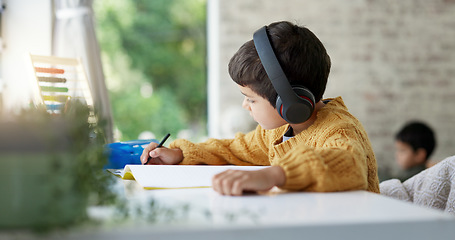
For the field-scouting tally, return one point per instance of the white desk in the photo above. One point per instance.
(204, 214)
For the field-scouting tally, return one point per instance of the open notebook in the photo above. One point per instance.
(175, 176)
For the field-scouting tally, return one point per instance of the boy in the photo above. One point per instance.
(326, 151)
(414, 144)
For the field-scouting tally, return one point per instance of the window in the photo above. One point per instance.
(154, 59)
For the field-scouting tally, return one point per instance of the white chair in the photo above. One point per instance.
(433, 187)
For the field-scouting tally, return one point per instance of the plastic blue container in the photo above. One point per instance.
(121, 153)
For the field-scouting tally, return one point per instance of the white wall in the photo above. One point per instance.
(26, 28)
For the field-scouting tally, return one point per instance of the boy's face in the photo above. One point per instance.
(405, 155)
(261, 110)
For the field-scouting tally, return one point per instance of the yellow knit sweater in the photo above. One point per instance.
(333, 154)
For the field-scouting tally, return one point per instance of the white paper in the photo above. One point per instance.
(180, 176)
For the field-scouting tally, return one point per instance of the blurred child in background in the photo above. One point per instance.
(414, 144)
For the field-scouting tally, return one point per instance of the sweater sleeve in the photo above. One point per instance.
(244, 149)
(340, 164)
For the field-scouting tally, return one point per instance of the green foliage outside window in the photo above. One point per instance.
(154, 59)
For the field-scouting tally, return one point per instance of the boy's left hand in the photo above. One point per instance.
(234, 182)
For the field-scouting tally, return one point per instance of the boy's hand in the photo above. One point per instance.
(234, 182)
(161, 155)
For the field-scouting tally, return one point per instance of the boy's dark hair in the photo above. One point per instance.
(418, 135)
(302, 57)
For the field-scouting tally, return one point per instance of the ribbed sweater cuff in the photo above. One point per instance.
(186, 146)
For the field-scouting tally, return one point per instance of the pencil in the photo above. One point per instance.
(159, 145)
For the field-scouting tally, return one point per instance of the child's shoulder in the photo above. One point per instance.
(334, 107)
(334, 102)
(335, 112)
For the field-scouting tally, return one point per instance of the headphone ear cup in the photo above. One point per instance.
(305, 94)
(300, 110)
(306, 99)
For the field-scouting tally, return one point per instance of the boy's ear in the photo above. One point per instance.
(420, 156)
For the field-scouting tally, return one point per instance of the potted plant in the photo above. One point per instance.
(50, 166)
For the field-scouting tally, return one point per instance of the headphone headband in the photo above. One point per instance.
(272, 65)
